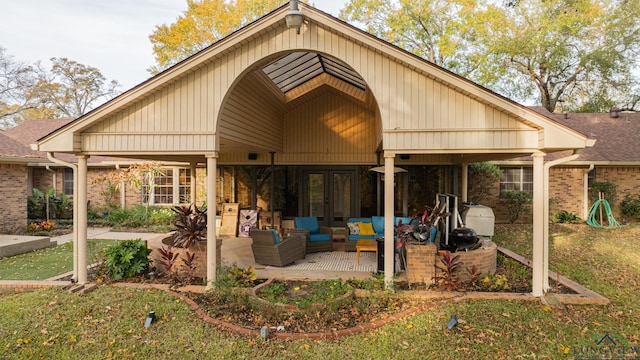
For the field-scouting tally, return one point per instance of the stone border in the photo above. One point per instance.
(311, 336)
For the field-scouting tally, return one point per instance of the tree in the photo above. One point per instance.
(545, 49)
(202, 24)
(71, 89)
(440, 31)
(16, 80)
(485, 176)
(556, 49)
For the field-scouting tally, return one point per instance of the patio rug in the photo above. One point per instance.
(334, 261)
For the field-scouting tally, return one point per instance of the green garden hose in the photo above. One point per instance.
(591, 220)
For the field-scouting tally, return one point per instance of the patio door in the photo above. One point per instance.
(329, 195)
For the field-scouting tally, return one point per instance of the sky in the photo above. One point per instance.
(111, 35)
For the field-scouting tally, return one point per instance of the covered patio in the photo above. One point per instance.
(325, 94)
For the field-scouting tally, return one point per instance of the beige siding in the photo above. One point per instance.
(216, 97)
(329, 129)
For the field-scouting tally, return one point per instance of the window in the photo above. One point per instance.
(171, 188)
(67, 181)
(517, 179)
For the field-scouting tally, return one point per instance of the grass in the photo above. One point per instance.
(108, 323)
(49, 262)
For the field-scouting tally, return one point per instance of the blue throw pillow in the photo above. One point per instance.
(276, 236)
(378, 224)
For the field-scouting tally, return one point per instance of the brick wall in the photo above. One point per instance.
(13, 192)
(566, 191)
(626, 178)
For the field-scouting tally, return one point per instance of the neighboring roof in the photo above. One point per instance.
(10, 148)
(616, 135)
(17, 141)
(29, 131)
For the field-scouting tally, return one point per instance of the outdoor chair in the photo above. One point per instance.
(269, 249)
(318, 238)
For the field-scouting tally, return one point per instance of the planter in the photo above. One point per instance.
(199, 248)
(484, 258)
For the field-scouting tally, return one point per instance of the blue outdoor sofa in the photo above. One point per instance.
(377, 223)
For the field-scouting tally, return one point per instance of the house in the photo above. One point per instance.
(313, 105)
(614, 158)
(14, 176)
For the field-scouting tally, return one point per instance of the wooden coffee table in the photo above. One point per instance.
(366, 245)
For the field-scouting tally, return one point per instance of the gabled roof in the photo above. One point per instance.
(545, 133)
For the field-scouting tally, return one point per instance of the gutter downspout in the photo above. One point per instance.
(123, 192)
(74, 167)
(547, 166)
(54, 179)
(585, 186)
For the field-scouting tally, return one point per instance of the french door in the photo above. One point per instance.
(330, 195)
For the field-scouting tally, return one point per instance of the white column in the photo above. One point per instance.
(212, 251)
(538, 225)
(194, 183)
(389, 248)
(465, 182)
(81, 204)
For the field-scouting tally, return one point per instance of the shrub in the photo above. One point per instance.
(565, 217)
(609, 190)
(234, 276)
(629, 206)
(516, 201)
(127, 258)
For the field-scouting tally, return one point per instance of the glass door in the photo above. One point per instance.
(329, 195)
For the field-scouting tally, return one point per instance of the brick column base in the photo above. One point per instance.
(421, 260)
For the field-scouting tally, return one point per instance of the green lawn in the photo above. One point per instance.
(108, 323)
(49, 262)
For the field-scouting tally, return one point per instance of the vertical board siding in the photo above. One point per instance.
(329, 124)
(408, 109)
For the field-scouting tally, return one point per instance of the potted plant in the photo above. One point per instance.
(188, 240)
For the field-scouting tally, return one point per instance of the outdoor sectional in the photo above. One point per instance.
(377, 224)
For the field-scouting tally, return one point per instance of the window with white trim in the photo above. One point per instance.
(517, 179)
(173, 187)
(67, 181)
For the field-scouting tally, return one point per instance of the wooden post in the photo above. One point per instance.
(601, 198)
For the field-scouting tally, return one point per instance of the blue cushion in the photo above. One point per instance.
(319, 237)
(362, 237)
(378, 224)
(309, 223)
(276, 236)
